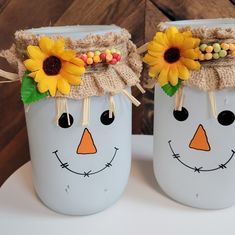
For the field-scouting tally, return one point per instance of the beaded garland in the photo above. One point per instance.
(173, 56)
(215, 51)
(106, 56)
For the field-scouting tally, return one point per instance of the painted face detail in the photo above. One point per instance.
(200, 140)
(65, 165)
(86, 145)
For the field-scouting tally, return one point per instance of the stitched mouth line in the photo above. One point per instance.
(65, 165)
(199, 169)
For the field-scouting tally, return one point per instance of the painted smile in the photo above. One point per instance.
(65, 165)
(201, 168)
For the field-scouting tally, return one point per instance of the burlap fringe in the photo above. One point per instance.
(95, 82)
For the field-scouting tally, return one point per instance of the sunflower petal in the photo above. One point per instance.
(170, 33)
(40, 75)
(42, 86)
(183, 72)
(156, 54)
(196, 42)
(46, 44)
(163, 76)
(32, 65)
(35, 53)
(190, 53)
(173, 75)
(190, 64)
(33, 74)
(155, 47)
(63, 86)
(187, 34)
(188, 43)
(52, 85)
(73, 80)
(77, 61)
(58, 47)
(179, 40)
(67, 55)
(151, 60)
(73, 69)
(160, 38)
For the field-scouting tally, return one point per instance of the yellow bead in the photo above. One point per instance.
(209, 49)
(201, 57)
(225, 46)
(89, 60)
(96, 59)
(231, 46)
(107, 52)
(208, 56)
(90, 54)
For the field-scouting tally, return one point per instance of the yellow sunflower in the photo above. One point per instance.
(53, 67)
(171, 55)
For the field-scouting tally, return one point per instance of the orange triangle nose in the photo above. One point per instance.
(86, 145)
(200, 140)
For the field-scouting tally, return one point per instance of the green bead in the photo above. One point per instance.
(216, 56)
(216, 47)
(113, 50)
(203, 47)
(97, 53)
(222, 53)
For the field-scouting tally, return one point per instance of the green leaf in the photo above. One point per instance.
(29, 91)
(171, 90)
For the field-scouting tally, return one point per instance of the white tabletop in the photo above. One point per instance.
(143, 209)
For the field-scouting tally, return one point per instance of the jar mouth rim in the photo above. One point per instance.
(75, 31)
(209, 23)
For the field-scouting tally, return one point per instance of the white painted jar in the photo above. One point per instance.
(194, 160)
(81, 159)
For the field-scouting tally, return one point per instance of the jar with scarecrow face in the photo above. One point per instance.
(76, 89)
(194, 128)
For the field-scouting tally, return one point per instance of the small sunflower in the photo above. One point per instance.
(171, 55)
(52, 67)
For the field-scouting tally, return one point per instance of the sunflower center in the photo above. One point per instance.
(172, 55)
(52, 65)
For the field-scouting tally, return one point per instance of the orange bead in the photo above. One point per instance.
(225, 46)
(96, 59)
(231, 46)
(208, 56)
(201, 57)
(89, 60)
(209, 49)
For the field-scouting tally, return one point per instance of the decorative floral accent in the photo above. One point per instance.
(171, 55)
(215, 51)
(107, 56)
(52, 67)
(29, 91)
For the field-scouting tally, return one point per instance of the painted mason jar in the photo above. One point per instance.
(76, 88)
(194, 130)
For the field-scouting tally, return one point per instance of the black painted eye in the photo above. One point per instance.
(104, 118)
(226, 117)
(181, 115)
(63, 120)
